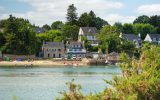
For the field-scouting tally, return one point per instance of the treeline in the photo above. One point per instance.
(17, 35)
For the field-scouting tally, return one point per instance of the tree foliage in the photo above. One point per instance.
(140, 80)
(72, 15)
(19, 37)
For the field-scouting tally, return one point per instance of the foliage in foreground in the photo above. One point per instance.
(140, 80)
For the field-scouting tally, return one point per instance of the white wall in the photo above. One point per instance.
(148, 38)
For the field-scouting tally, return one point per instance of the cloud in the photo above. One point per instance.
(112, 18)
(153, 9)
(47, 11)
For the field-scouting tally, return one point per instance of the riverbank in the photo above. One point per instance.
(42, 63)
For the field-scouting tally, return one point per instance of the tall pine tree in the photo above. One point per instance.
(72, 15)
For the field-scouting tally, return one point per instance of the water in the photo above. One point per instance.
(46, 83)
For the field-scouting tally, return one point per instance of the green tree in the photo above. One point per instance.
(127, 29)
(72, 15)
(52, 36)
(46, 27)
(57, 25)
(144, 29)
(119, 26)
(142, 19)
(84, 20)
(109, 39)
(19, 36)
(70, 32)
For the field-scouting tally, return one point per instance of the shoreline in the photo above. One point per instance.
(49, 63)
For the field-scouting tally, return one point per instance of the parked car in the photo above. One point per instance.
(74, 57)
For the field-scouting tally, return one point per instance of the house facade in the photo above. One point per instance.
(90, 33)
(53, 49)
(133, 38)
(153, 38)
(75, 49)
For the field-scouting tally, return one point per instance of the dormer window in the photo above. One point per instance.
(89, 30)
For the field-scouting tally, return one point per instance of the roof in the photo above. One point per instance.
(131, 37)
(89, 30)
(154, 36)
(53, 44)
(75, 44)
(39, 30)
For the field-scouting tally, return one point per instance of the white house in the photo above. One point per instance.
(90, 33)
(133, 38)
(153, 38)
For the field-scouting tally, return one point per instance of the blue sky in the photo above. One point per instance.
(42, 12)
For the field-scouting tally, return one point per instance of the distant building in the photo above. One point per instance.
(75, 49)
(153, 38)
(39, 30)
(90, 33)
(133, 38)
(53, 49)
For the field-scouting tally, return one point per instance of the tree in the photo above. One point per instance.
(72, 15)
(139, 80)
(109, 39)
(52, 36)
(93, 19)
(84, 20)
(127, 29)
(46, 27)
(19, 36)
(142, 19)
(70, 32)
(155, 21)
(90, 20)
(57, 25)
(119, 26)
(100, 23)
(144, 29)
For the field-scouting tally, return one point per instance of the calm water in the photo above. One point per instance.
(46, 83)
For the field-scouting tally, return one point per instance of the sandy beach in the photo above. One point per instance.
(43, 63)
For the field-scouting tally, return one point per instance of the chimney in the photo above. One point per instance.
(139, 35)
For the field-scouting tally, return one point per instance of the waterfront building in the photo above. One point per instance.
(53, 49)
(75, 49)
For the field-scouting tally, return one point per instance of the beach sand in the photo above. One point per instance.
(46, 63)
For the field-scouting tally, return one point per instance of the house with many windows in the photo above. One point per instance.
(53, 49)
(75, 49)
(153, 38)
(90, 33)
(132, 38)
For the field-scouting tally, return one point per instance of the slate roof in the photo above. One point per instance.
(131, 37)
(53, 44)
(39, 30)
(75, 44)
(154, 36)
(89, 30)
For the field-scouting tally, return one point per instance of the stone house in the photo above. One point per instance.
(53, 49)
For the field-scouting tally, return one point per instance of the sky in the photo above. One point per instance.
(40, 12)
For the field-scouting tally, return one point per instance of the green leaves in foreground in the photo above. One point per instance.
(140, 80)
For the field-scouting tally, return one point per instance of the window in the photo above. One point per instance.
(59, 49)
(54, 55)
(48, 55)
(59, 55)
